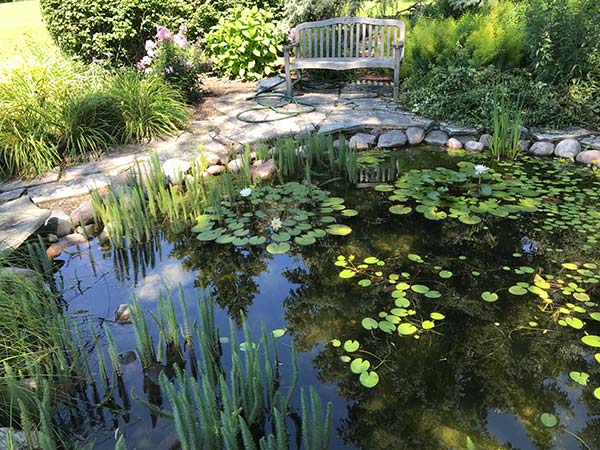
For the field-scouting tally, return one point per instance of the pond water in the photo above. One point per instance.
(488, 370)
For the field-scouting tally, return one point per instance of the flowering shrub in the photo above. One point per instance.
(175, 59)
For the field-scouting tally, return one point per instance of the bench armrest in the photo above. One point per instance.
(398, 46)
(287, 48)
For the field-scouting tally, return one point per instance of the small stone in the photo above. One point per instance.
(454, 144)
(568, 148)
(84, 213)
(52, 238)
(392, 139)
(524, 145)
(486, 140)
(361, 141)
(589, 157)
(336, 144)
(235, 165)
(123, 314)
(436, 137)
(264, 170)
(268, 84)
(59, 223)
(211, 158)
(87, 230)
(474, 146)
(215, 170)
(542, 148)
(175, 168)
(127, 357)
(415, 135)
(63, 243)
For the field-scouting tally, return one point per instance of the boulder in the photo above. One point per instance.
(415, 135)
(123, 314)
(454, 144)
(268, 84)
(19, 219)
(235, 165)
(211, 158)
(542, 148)
(83, 214)
(474, 146)
(361, 141)
(263, 170)
(175, 168)
(59, 224)
(215, 169)
(70, 240)
(589, 157)
(486, 140)
(567, 148)
(524, 145)
(436, 137)
(392, 139)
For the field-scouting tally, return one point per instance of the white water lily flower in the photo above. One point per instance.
(480, 169)
(275, 223)
(245, 192)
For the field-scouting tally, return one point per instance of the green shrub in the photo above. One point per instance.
(495, 35)
(466, 95)
(149, 107)
(244, 43)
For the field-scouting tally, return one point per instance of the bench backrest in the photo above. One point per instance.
(349, 37)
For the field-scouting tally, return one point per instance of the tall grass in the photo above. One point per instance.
(507, 122)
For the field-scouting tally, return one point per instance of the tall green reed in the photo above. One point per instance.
(507, 122)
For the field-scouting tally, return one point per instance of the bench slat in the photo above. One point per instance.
(341, 63)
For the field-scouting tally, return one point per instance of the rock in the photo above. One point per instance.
(542, 148)
(415, 135)
(175, 168)
(361, 141)
(103, 237)
(268, 84)
(70, 240)
(59, 223)
(336, 144)
(83, 214)
(524, 133)
(392, 139)
(436, 137)
(19, 219)
(127, 357)
(457, 130)
(87, 230)
(18, 439)
(591, 143)
(486, 140)
(123, 314)
(568, 148)
(589, 157)
(264, 170)
(52, 238)
(235, 165)
(573, 133)
(474, 146)
(524, 145)
(454, 144)
(11, 195)
(211, 158)
(215, 169)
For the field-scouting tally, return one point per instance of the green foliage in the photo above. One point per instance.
(244, 43)
(298, 11)
(507, 132)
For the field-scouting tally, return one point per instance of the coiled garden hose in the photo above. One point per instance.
(278, 107)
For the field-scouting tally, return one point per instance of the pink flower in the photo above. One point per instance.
(150, 46)
(180, 40)
(148, 70)
(162, 33)
(144, 62)
(189, 64)
(169, 69)
(293, 35)
(182, 28)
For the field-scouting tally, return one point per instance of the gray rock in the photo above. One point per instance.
(263, 170)
(392, 139)
(542, 148)
(456, 130)
(123, 314)
(589, 157)
(83, 214)
(474, 146)
(211, 158)
(11, 195)
(415, 135)
(524, 145)
(352, 119)
(591, 143)
(19, 219)
(554, 136)
(175, 168)
(437, 137)
(361, 141)
(454, 144)
(59, 224)
(486, 140)
(268, 84)
(52, 238)
(19, 440)
(235, 165)
(568, 148)
(215, 169)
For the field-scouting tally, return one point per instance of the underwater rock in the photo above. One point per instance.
(361, 141)
(436, 137)
(569, 148)
(127, 357)
(589, 157)
(542, 148)
(474, 146)
(454, 144)
(415, 135)
(392, 139)
(528, 245)
(70, 240)
(83, 214)
(123, 314)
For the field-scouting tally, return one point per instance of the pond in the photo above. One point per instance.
(424, 327)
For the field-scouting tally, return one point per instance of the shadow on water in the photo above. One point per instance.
(484, 373)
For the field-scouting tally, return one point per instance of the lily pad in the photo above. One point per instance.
(369, 324)
(406, 329)
(489, 296)
(359, 365)
(339, 230)
(369, 379)
(400, 209)
(592, 340)
(579, 377)
(351, 346)
(278, 248)
(549, 420)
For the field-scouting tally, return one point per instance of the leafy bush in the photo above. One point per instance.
(244, 43)
(466, 95)
(563, 39)
(492, 36)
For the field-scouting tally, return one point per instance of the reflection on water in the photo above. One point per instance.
(482, 374)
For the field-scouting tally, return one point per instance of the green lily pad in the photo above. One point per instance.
(445, 274)
(400, 209)
(369, 379)
(369, 324)
(281, 237)
(257, 240)
(419, 288)
(359, 365)
(406, 329)
(278, 248)
(517, 290)
(579, 377)
(339, 230)
(469, 220)
(591, 340)
(489, 296)
(304, 240)
(549, 420)
(574, 322)
(427, 324)
(437, 316)
(349, 212)
(351, 346)
(365, 282)
(347, 273)
(278, 332)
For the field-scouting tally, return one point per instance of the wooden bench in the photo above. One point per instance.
(346, 43)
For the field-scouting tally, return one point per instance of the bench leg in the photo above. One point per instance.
(288, 75)
(396, 73)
